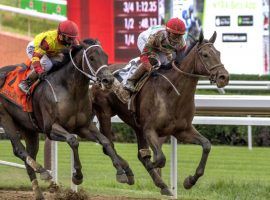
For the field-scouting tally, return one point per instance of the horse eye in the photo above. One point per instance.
(205, 55)
(91, 58)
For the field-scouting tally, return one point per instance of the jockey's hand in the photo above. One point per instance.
(153, 61)
(147, 66)
(42, 76)
(37, 67)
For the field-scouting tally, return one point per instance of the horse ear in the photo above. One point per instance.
(98, 42)
(213, 38)
(201, 37)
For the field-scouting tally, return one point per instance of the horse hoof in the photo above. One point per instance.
(45, 175)
(39, 195)
(122, 178)
(130, 176)
(131, 180)
(77, 180)
(40, 198)
(53, 187)
(188, 183)
(166, 191)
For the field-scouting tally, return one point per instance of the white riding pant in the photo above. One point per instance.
(45, 61)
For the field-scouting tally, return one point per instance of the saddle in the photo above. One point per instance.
(122, 75)
(10, 77)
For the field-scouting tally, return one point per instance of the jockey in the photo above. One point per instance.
(158, 45)
(46, 49)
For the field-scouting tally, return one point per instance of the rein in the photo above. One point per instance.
(93, 75)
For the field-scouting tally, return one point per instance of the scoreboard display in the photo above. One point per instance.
(130, 19)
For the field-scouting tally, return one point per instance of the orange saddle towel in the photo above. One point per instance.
(11, 90)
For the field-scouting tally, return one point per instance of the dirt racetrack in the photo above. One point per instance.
(28, 195)
(12, 49)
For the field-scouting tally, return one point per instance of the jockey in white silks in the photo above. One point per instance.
(158, 45)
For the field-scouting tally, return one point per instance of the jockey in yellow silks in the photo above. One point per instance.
(46, 47)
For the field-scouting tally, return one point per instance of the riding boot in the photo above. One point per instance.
(131, 81)
(25, 85)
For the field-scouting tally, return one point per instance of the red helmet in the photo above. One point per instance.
(176, 25)
(68, 28)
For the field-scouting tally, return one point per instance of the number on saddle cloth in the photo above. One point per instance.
(123, 74)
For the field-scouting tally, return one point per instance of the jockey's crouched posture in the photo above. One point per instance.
(46, 48)
(158, 45)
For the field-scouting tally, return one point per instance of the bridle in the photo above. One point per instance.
(207, 68)
(93, 75)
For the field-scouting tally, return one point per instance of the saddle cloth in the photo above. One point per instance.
(12, 92)
(124, 73)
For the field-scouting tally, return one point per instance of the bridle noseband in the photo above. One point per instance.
(93, 75)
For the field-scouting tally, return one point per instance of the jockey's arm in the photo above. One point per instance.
(149, 54)
(39, 51)
(182, 45)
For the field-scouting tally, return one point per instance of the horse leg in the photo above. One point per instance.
(18, 148)
(93, 134)
(153, 140)
(32, 146)
(192, 136)
(58, 133)
(144, 155)
(161, 141)
(106, 129)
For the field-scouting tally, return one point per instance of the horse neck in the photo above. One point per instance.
(184, 83)
(75, 81)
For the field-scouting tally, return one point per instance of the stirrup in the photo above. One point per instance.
(22, 88)
(130, 89)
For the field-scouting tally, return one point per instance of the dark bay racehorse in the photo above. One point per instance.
(165, 108)
(61, 109)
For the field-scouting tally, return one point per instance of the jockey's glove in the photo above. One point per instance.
(42, 76)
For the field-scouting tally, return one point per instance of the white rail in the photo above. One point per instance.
(2, 162)
(235, 85)
(239, 82)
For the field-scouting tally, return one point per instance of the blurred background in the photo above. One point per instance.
(242, 25)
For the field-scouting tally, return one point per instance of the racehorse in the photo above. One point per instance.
(165, 106)
(61, 109)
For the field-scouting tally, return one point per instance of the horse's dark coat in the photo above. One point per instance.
(60, 118)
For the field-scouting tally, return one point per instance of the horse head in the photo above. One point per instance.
(202, 59)
(208, 63)
(94, 62)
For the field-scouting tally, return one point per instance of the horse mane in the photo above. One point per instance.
(190, 47)
(91, 41)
